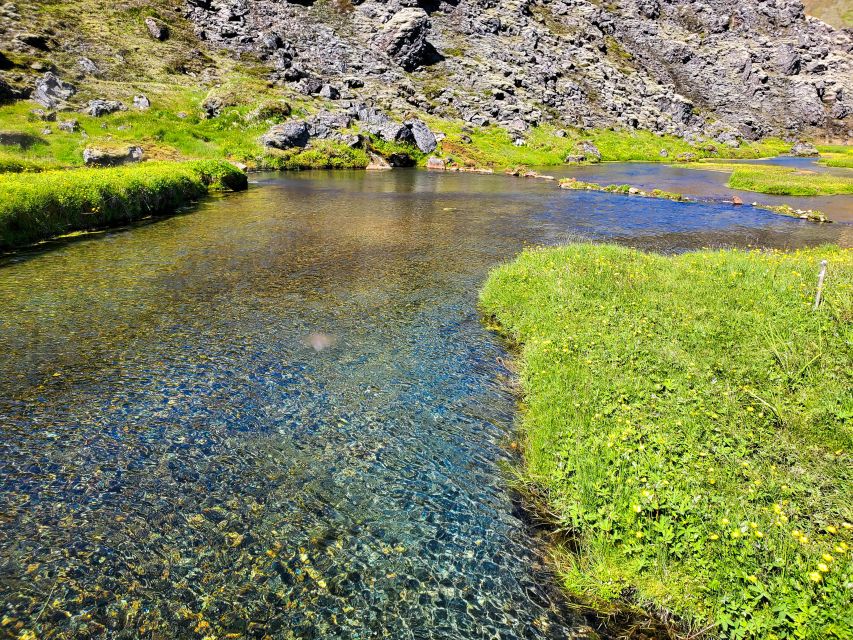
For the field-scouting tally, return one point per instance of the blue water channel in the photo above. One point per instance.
(279, 415)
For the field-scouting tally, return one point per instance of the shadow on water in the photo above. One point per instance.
(282, 416)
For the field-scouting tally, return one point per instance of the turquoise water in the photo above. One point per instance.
(281, 416)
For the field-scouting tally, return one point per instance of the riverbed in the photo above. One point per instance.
(280, 413)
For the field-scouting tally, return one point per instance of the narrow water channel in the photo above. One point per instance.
(280, 416)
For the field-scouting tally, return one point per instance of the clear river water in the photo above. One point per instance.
(280, 415)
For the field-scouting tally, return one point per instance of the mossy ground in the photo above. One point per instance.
(688, 421)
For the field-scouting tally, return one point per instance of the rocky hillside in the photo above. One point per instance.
(720, 70)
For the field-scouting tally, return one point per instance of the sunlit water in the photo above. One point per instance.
(280, 415)
(704, 184)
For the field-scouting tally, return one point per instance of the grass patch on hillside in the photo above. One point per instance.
(689, 423)
(778, 180)
(37, 206)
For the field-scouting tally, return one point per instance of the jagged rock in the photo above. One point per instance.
(310, 86)
(287, 136)
(142, 103)
(156, 29)
(404, 38)
(804, 150)
(98, 108)
(694, 70)
(329, 92)
(94, 157)
(424, 138)
(51, 92)
(69, 126)
(325, 124)
(88, 67)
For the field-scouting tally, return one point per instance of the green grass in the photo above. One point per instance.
(846, 163)
(688, 424)
(777, 180)
(41, 205)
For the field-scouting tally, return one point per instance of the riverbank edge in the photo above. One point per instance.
(39, 206)
(630, 606)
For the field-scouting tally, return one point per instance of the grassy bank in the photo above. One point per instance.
(778, 180)
(689, 422)
(35, 206)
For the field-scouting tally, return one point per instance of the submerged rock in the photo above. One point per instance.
(404, 38)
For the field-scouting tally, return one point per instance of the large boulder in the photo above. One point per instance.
(404, 38)
(424, 138)
(804, 150)
(98, 108)
(51, 92)
(94, 157)
(287, 136)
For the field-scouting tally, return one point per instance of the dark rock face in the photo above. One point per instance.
(424, 138)
(404, 38)
(51, 92)
(287, 136)
(717, 70)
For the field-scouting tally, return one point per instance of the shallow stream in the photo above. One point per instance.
(280, 414)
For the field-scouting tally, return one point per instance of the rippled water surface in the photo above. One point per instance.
(280, 415)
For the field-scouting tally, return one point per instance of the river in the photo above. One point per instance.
(280, 415)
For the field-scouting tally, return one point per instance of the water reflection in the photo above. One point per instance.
(280, 415)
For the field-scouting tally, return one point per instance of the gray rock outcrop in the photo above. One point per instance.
(404, 38)
(51, 92)
(98, 108)
(287, 136)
